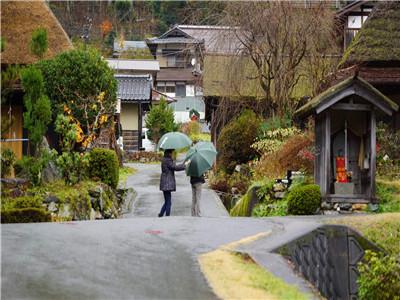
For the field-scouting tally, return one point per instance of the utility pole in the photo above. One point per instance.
(86, 30)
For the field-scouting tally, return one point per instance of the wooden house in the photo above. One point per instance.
(352, 17)
(180, 57)
(18, 20)
(134, 93)
(345, 139)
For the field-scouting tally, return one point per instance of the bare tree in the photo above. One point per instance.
(282, 51)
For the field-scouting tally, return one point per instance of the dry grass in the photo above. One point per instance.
(382, 229)
(236, 276)
(18, 19)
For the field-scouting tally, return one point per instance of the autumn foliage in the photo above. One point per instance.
(106, 27)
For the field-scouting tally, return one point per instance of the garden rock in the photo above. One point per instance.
(279, 187)
(373, 207)
(14, 182)
(98, 215)
(50, 172)
(64, 213)
(52, 198)
(330, 212)
(359, 206)
(94, 193)
(92, 216)
(326, 206)
(345, 206)
(52, 207)
(238, 168)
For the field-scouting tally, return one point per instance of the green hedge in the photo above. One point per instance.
(304, 200)
(103, 165)
(25, 215)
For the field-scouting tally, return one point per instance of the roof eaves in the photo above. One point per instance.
(312, 106)
(350, 7)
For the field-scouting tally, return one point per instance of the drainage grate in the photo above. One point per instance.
(327, 258)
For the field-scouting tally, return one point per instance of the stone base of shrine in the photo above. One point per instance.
(335, 198)
(344, 188)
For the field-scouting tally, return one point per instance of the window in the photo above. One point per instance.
(174, 89)
(180, 89)
(170, 89)
(161, 87)
(175, 61)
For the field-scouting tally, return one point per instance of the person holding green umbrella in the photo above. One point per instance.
(201, 157)
(167, 180)
(170, 141)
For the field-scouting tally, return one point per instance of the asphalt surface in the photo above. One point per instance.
(139, 256)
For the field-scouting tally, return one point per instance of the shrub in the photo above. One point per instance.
(191, 128)
(103, 164)
(206, 137)
(25, 215)
(81, 85)
(387, 153)
(236, 138)
(21, 167)
(277, 209)
(304, 200)
(219, 180)
(289, 156)
(379, 277)
(22, 202)
(272, 140)
(7, 160)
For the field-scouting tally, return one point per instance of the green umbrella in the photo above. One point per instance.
(201, 156)
(174, 140)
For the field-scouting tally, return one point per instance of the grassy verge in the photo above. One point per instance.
(381, 229)
(125, 173)
(237, 276)
(389, 193)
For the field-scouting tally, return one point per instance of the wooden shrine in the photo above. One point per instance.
(345, 139)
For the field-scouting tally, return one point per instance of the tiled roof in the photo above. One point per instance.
(173, 40)
(217, 39)
(134, 88)
(174, 36)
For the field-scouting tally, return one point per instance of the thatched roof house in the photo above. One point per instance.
(375, 53)
(378, 42)
(18, 20)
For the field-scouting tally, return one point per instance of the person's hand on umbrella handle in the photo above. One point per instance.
(187, 162)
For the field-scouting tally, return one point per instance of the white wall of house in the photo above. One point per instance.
(129, 116)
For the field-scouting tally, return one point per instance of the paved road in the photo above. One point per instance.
(149, 199)
(137, 257)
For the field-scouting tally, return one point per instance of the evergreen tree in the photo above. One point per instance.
(160, 120)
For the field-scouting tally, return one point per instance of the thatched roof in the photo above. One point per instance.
(378, 42)
(18, 19)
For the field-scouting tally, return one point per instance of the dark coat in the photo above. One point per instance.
(194, 180)
(168, 168)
